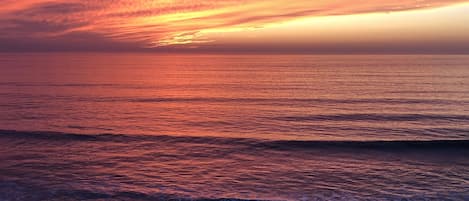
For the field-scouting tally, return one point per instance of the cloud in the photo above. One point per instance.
(156, 23)
(77, 41)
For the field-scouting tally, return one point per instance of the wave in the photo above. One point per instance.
(288, 101)
(39, 84)
(444, 144)
(378, 145)
(30, 192)
(292, 100)
(375, 117)
(21, 191)
(49, 135)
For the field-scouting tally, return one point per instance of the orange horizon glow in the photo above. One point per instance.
(235, 23)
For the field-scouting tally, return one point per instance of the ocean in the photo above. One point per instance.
(143, 126)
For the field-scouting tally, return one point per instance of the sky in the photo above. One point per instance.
(320, 26)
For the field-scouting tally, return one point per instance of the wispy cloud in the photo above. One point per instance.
(153, 23)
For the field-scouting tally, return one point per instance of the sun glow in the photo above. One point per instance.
(163, 23)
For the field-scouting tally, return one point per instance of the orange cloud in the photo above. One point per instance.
(154, 23)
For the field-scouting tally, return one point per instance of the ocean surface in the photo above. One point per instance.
(118, 126)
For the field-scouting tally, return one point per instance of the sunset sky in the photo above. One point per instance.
(340, 26)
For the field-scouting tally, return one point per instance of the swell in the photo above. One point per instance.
(378, 145)
(375, 117)
(243, 100)
(33, 192)
(394, 145)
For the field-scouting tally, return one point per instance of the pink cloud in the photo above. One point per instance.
(167, 22)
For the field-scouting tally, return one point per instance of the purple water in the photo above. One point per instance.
(265, 127)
